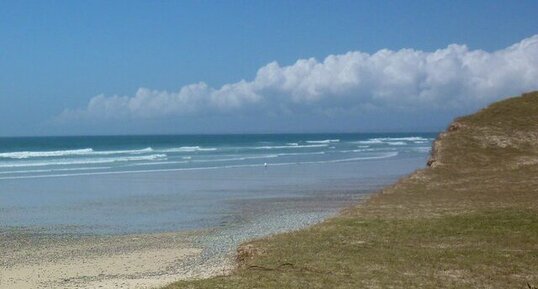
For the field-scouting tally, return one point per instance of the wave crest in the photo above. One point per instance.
(66, 153)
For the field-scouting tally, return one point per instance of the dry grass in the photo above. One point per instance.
(468, 221)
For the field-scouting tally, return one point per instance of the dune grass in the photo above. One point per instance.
(468, 221)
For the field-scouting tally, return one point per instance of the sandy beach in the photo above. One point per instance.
(40, 259)
(33, 260)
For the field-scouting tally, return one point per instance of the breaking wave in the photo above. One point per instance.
(326, 141)
(66, 153)
(81, 161)
(187, 149)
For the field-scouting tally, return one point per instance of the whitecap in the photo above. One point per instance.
(326, 141)
(411, 138)
(370, 141)
(81, 161)
(290, 147)
(66, 153)
(31, 154)
(186, 149)
(396, 143)
(54, 170)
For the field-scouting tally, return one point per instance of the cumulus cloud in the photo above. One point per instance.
(451, 78)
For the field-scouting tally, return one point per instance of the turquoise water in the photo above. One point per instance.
(119, 184)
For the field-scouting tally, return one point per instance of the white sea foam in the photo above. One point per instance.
(30, 154)
(326, 141)
(370, 141)
(351, 151)
(393, 140)
(81, 161)
(190, 160)
(54, 170)
(66, 153)
(396, 143)
(411, 138)
(186, 149)
(290, 146)
(119, 152)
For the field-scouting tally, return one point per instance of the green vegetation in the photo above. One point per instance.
(470, 220)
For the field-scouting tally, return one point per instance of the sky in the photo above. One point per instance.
(174, 67)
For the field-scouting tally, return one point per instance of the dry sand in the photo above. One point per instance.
(33, 260)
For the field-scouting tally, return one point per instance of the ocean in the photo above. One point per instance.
(139, 184)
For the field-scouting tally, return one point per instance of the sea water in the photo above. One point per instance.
(137, 184)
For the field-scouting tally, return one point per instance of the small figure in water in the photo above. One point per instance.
(265, 165)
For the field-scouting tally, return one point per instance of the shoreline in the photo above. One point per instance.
(147, 260)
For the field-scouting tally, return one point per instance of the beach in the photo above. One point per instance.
(31, 260)
(41, 259)
(69, 222)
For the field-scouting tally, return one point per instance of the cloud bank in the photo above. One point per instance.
(454, 78)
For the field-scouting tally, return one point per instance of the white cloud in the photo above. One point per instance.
(451, 78)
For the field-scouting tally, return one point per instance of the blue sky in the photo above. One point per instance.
(142, 67)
